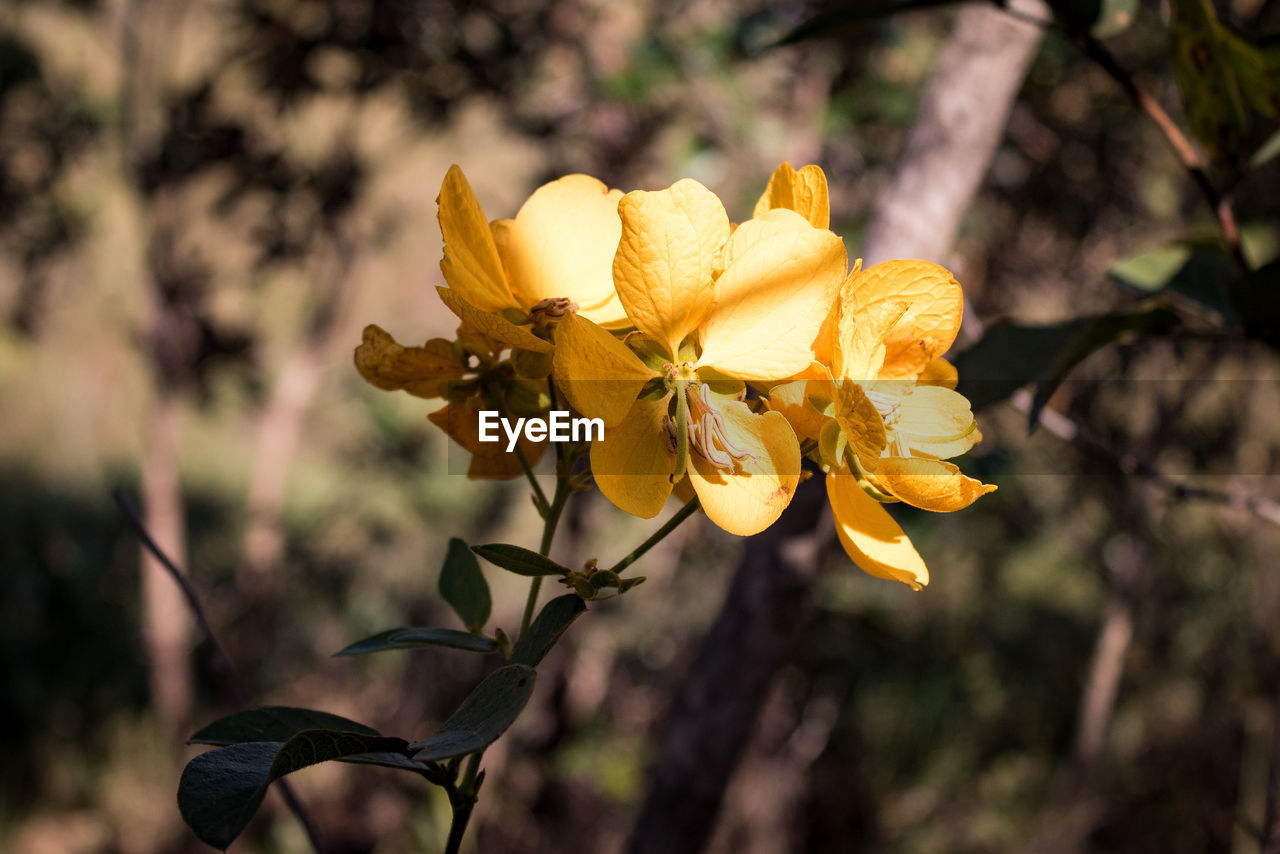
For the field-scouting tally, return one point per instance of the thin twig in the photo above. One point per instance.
(1126, 463)
(217, 653)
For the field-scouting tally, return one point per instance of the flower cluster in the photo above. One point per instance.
(715, 355)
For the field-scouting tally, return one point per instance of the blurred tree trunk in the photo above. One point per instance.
(955, 134)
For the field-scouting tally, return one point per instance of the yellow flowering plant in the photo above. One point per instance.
(712, 357)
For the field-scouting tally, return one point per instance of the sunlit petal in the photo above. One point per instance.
(936, 422)
(633, 464)
(471, 263)
(492, 325)
(935, 305)
(596, 371)
(929, 484)
(869, 535)
(861, 423)
(671, 241)
(803, 191)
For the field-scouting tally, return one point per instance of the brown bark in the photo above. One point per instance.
(954, 136)
(166, 625)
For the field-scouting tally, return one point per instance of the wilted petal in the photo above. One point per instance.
(492, 325)
(755, 494)
(861, 423)
(935, 305)
(671, 241)
(471, 263)
(803, 191)
(597, 372)
(929, 484)
(461, 421)
(562, 243)
(632, 465)
(417, 370)
(781, 277)
(869, 535)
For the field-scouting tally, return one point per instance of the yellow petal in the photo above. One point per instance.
(929, 484)
(632, 464)
(671, 241)
(804, 192)
(935, 305)
(781, 277)
(936, 422)
(492, 325)
(596, 371)
(791, 400)
(501, 231)
(561, 244)
(418, 370)
(860, 334)
(861, 423)
(755, 494)
(471, 263)
(870, 536)
(939, 372)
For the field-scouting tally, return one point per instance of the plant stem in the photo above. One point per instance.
(458, 827)
(548, 533)
(658, 536)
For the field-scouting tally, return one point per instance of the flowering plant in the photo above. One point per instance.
(704, 360)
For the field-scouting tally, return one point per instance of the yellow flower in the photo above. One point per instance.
(712, 307)
(896, 417)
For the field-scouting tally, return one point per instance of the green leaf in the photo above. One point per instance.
(462, 585)
(483, 716)
(1223, 78)
(273, 723)
(1256, 299)
(837, 18)
(1011, 355)
(1196, 269)
(417, 638)
(221, 790)
(551, 622)
(518, 560)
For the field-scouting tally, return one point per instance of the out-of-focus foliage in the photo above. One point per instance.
(280, 193)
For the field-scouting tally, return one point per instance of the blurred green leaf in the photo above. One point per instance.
(1011, 355)
(1114, 18)
(221, 790)
(1221, 76)
(273, 723)
(462, 585)
(483, 716)
(518, 560)
(416, 638)
(1255, 297)
(1196, 269)
(836, 18)
(552, 621)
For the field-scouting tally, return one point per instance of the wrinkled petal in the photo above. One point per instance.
(869, 535)
(632, 465)
(936, 422)
(755, 494)
(803, 191)
(421, 371)
(670, 245)
(860, 337)
(471, 263)
(492, 325)
(929, 484)
(597, 372)
(935, 306)
(781, 277)
(461, 421)
(861, 423)
(562, 243)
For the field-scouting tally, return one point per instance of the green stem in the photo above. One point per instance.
(658, 536)
(682, 432)
(533, 481)
(548, 534)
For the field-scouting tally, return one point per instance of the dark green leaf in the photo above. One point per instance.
(840, 17)
(419, 637)
(483, 716)
(1196, 269)
(1011, 355)
(518, 560)
(1256, 299)
(221, 790)
(273, 723)
(551, 622)
(462, 585)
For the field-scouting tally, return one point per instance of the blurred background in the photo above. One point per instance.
(202, 203)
